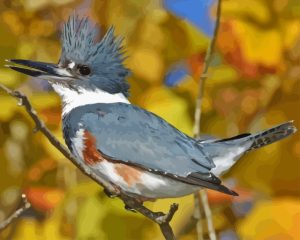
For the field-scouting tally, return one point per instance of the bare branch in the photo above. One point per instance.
(197, 122)
(16, 214)
(40, 126)
(164, 222)
(160, 218)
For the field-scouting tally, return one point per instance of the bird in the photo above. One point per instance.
(135, 150)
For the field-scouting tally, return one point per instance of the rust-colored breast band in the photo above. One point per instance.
(90, 153)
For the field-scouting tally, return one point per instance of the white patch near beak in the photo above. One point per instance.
(71, 65)
(63, 72)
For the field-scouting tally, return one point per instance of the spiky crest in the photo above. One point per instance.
(105, 57)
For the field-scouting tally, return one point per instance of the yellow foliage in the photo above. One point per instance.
(29, 229)
(14, 21)
(34, 5)
(254, 8)
(52, 151)
(41, 28)
(44, 100)
(8, 108)
(8, 78)
(25, 50)
(274, 219)
(146, 64)
(89, 220)
(290, 33)
(223, 74)
(169, 106)
(151, 29)
(258, 45)
(197, 41)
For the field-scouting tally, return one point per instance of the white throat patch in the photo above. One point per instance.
(72, 98)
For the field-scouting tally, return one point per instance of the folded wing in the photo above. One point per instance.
(131, 135)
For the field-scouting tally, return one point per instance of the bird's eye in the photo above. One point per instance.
(84, 70)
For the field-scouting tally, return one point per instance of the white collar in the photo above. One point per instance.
(72, 98)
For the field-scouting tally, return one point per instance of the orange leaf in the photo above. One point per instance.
(44, 198)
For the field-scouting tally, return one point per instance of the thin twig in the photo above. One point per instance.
(204, 74)
(16, 214)
(164, 222)
(208, 215)
(198, 216)
(203, 77)
(160, 218)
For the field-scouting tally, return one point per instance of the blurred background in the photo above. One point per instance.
(253, 83)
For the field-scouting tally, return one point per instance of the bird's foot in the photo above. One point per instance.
(110, 194)
(128, 208)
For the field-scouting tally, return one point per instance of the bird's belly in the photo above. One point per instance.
(130, 179)
(139, 182)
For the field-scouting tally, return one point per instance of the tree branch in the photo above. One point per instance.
(160, 218)
(16, 214)
(40, 126)
(197, 117)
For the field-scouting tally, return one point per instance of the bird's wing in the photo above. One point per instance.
(131, 135)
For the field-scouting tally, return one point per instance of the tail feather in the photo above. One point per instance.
(225, 152)
(272, 135)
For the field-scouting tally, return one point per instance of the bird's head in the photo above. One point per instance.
(85, 63)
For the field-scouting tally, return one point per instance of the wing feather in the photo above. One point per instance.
(128, 134)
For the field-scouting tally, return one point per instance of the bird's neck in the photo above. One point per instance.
(72, 98)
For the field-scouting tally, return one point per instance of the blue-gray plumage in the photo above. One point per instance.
(105, 58)
(125, 132)
(129, 134)
(134, 149)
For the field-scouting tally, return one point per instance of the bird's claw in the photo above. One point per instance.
(109, 194)
(128, 208)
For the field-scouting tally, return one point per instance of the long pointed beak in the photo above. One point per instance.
(43, 70)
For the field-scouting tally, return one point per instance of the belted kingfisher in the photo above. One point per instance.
(137, 151)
